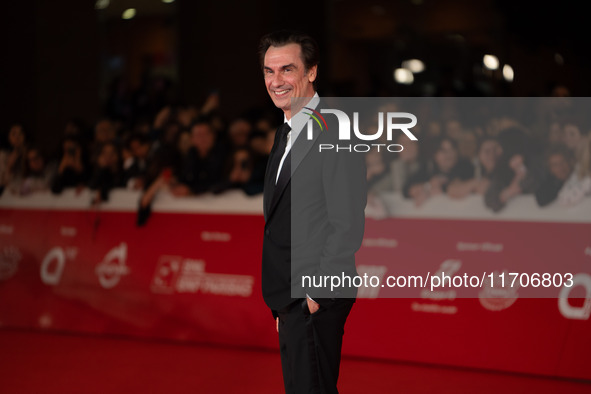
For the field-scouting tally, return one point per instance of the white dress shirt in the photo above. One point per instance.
(292, 135)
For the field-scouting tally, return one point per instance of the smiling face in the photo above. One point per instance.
(572, 135)
(446, 156)
(559, 166)
(489, 153)
(109, 157)
(16, 136)
(35, 161)
(286, 76)
(202, 138)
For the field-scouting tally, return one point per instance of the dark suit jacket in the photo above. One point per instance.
(315, 225)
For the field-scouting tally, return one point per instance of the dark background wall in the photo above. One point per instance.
(50, 66)
(57, 54)
(218, 47)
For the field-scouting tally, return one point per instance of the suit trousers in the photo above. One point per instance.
(310, 346)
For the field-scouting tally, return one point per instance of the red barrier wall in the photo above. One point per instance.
(195, 276)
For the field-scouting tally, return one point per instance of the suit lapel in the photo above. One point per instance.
(281, 183)
(300, 148)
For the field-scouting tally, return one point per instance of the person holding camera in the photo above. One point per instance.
(73, 168)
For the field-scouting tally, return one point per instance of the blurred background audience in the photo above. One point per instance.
(157, 110)
(191, 150)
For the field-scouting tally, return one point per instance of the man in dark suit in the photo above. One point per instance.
(314, 205)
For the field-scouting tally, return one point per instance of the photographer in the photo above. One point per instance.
(73, 167)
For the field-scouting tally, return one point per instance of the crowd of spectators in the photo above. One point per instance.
(188, 150)
(545, 152)
(184, 149)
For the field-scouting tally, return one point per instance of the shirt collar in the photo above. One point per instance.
(313, 103)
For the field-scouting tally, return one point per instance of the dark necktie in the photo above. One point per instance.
(281, 140)
(279, 151)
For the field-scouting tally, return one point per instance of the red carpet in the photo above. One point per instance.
(34, 362)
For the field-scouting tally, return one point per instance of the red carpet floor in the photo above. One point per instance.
(34, 362)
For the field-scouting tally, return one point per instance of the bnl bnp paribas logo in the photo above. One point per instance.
(391, 119)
